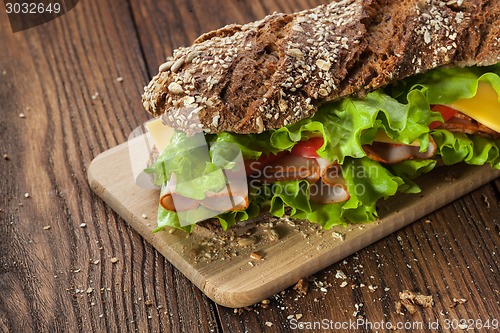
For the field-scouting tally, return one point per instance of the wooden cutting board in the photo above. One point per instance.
(222, 264)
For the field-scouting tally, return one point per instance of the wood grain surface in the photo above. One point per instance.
(68, 263)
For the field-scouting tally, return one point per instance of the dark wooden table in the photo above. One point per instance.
(69, 263)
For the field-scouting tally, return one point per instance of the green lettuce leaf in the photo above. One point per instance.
(409, 170)
(197, 168)
(367, 182)
(187, 157)
(459, 147)
(252, 146)
(167, 218)
(292, 197)
(229, 219)
(350, 123)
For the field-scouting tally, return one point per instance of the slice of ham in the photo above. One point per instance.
(291, 167)
(462, 123)
(177, 203)
(174, 202)
(390, 153)
(331, 188)
(333, 176)
(223, 202)
(324, 165)
(325, 177)
(234, 196)
(320, 192)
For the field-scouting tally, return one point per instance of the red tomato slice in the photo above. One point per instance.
(308, 148)
(446, 112)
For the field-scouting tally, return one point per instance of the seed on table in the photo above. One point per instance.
(255, 255)
(246, 241)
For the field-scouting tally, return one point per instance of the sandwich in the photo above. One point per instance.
(320, 114)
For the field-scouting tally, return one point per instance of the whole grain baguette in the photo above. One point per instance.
(276, 71)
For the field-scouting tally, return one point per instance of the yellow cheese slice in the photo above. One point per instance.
(483, 107)
(161, 134)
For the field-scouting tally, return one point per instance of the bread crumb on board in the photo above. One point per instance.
(486, 201)
(301, 287)
(458, 301)
(245, 240)
(339, 235)
(256, 256)
(409, 300)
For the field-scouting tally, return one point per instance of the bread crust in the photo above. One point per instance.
(276, 71)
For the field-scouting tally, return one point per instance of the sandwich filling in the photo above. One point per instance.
(334, 167)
